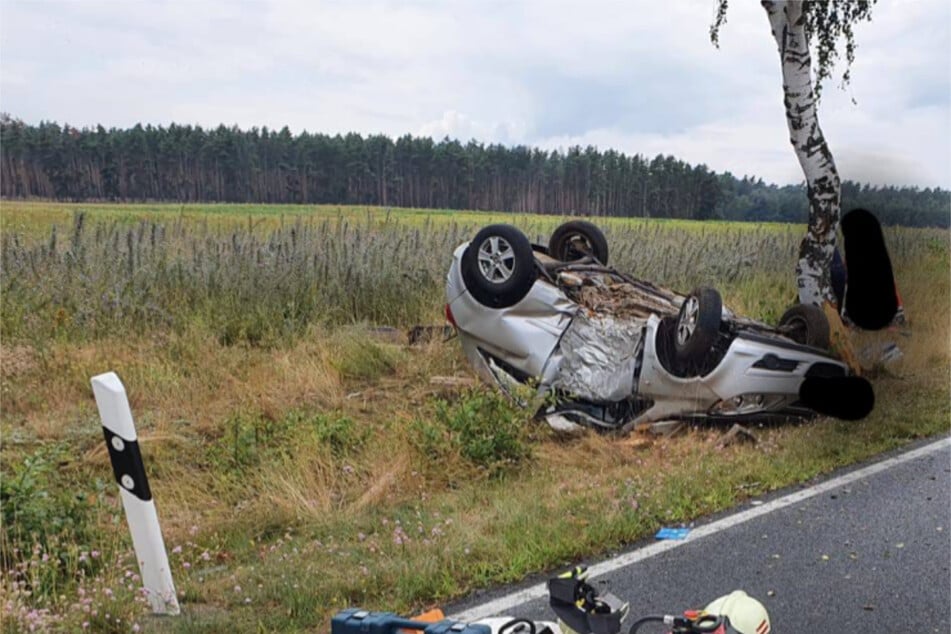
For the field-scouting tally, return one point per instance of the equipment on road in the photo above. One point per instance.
(580, 609)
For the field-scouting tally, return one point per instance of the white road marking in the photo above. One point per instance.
(500, 605)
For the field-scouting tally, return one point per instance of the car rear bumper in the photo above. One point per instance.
(756, 375)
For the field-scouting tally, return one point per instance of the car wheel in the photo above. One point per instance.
(697, 325)
(576, 239)
(806, 324)
(498, 267)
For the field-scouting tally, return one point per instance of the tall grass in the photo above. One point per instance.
(96, 278)
(110, 279)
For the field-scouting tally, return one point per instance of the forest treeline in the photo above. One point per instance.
(225, 164)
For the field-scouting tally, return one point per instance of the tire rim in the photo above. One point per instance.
(688, 320)
(577, 247)
(798, 330)
(496, 259)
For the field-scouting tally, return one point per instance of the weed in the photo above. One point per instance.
(264, 283)
(482, 426)
(37, 514)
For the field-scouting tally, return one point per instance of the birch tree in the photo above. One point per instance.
(799, 28)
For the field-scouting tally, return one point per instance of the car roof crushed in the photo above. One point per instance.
(609, 293)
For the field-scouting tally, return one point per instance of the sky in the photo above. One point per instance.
(638, 77)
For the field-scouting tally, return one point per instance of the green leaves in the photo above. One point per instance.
(829, 27)
(483, 427)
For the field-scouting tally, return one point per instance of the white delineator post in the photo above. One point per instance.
(119, 430)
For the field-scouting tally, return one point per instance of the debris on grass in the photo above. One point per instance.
(452, 381)
(672, 533)
(426, 334)
(737, 434)
(667, 428)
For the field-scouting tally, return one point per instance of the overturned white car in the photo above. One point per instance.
(605, 350)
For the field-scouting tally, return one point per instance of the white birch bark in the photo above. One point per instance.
(815, 252)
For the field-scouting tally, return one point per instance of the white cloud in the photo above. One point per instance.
(639, 77)
(457, 125)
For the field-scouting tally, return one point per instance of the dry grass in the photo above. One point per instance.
(295, 470)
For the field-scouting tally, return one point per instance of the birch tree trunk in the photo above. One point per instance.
(823, 186)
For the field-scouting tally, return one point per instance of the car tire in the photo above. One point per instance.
(806, 324)
(698, 324)
(575, 239)
(498, 266)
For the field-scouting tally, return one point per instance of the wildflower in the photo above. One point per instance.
(95, 554)
(186, 565)
(205, 556)
(176, 550)
(399, 536)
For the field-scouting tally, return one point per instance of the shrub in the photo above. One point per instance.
(337, 432)
(43, 519)
(248, 437)
(251, 437)
(482, 427)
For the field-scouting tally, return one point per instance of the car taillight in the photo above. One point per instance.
(450, 318)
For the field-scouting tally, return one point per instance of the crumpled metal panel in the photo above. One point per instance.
(523, 335)
(599, 354)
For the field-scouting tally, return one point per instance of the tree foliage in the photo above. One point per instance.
(191, 164)
(828, 23)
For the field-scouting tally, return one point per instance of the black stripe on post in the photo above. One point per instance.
(127, 465)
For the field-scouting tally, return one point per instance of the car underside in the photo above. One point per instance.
(559, 330)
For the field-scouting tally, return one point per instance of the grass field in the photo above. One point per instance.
(302, 462)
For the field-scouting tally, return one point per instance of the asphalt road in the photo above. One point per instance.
(870, 552)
